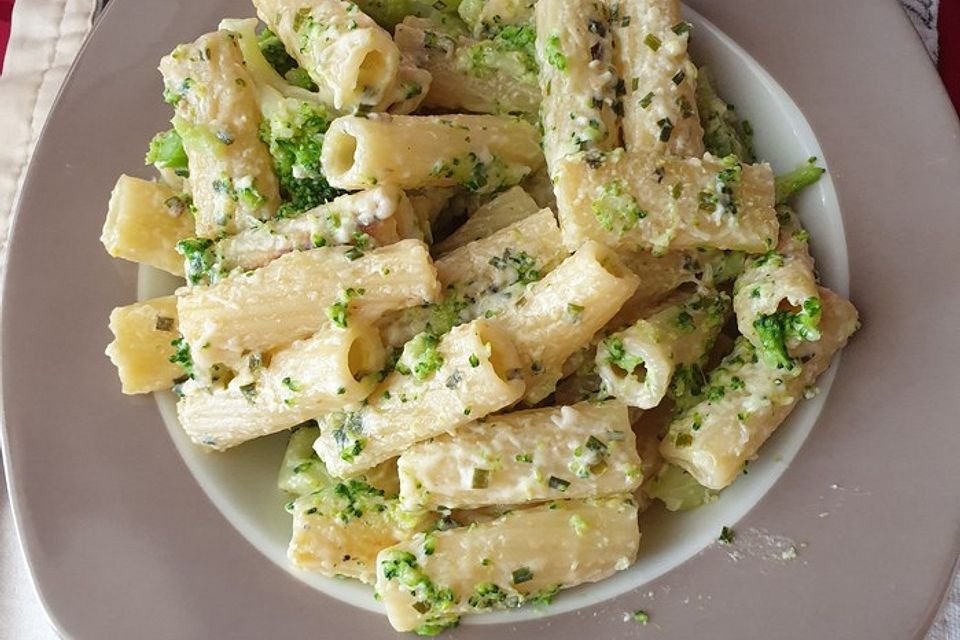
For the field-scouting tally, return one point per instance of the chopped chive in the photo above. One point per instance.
(559, 484)
(521, 575)
(481, 479)
(646, 100)
(653, 42)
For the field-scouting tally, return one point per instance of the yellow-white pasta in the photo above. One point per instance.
(586, 450)
(746, 400)
(469, 74)
(660, 275)
(264, 75)
(780, 282)
(561, 313)
(659, 105)
(145, 221)
(340, 526)
(482, 277)
(297, 294)
(331, 369)
(411, 87)
(341, 48)
(428, 582)
(485, 154)
(231, 172)
(638, 363)
(581, 90)
(429, 203)
(470, 372)
(141, 348)
(302, 471)
(642, 202)
(377, 217)
(507, 208)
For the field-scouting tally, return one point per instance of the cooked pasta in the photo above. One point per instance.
(145, 221)
(341, 48)
(484, 154)
(217, 116)
(484, 270)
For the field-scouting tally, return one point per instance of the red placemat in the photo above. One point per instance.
(6, 9)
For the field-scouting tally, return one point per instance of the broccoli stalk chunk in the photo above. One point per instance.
(792, 182)
(166, 152)
(293, 131)
(777, 329)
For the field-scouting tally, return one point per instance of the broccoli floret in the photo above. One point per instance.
(295, 139)
(201, 259)
(276, 54)
(795, 181)
(775, 329)
(166, 152)
(420, 356)
(511, 51)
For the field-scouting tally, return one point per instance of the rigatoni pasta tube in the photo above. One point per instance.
(438, 386)
(331, 369)
(427, 582)
(586, 450)
(341, 48)
(561, 313)
(482, 277)
(580, 87)
(377, 217)
(145, 221)
(484, 154)
(339, 527)
(297, 293)
(141, 349)
(746, 400)
(507, 208)
(638, 363)
(231, 172)
(479, 76)
(645, 202)
(776, 298)
(659, 104)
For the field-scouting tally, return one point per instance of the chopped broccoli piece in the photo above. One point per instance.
(302, 471)
(616, 209)
(723, 133)
(420, 356)
(182, 356)
(166, 152)
(294, 136)
(792, 182)
(201, 258)
(522, 262)
(618, 355)
(554, 53)
(511, 51)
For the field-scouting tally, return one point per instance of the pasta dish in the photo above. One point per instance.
(506, 271)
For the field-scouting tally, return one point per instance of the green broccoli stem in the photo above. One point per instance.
(792, 182)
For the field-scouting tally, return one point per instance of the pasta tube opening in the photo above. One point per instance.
(503, 356)
(365, 355)
(343, 155)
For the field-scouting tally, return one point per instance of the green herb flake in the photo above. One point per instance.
(521, 575)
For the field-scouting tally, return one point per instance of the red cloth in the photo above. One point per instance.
(6, 9)
(948, 24)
